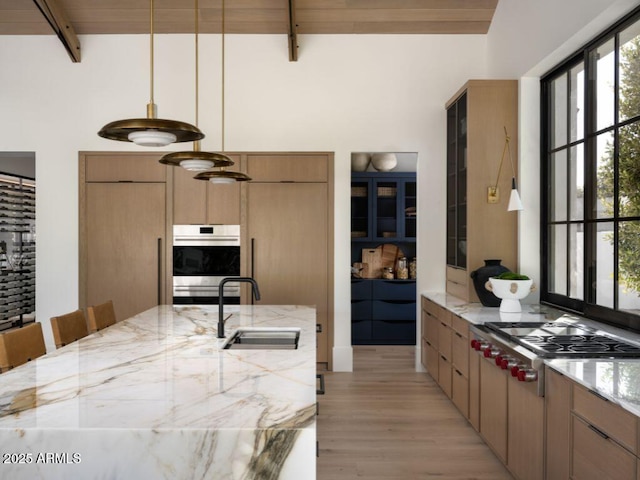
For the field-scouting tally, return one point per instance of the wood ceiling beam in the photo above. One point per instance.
(56, 17)
(293, 33)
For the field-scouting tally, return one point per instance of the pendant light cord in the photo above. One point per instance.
(223, 78)
(197, 56)
(151, 100)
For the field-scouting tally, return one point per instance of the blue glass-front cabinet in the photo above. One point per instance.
(383, 210)
(383, 207)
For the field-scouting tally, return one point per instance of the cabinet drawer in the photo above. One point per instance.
(596, 457)
(444, 340)
(444, 375)
(394, 331)
(360, 331)
(460, 353)
(386, 310)
(431, 356)
(361, 310)
(430, 331)
(609, 418)
(460, 391)
(361, 289)
(394, 290)
(431, 308)
(460, 325)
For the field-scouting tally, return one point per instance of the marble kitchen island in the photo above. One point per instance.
(156, 397)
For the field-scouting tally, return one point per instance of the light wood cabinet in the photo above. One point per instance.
(493, 414)
(474, 390)
(558, 414)
(289, 236)
(476, 118)
(430, 326)
(595, 456)
(198, 202)
(460, 363)
(122, 167)
(123, 241)
(525, 433)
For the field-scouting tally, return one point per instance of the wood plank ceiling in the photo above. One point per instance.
(86, 17)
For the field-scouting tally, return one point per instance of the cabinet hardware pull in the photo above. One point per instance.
(458, 372)
(253, 272)
(443, 324)
(428, 343)
(458, 335)
(598, 431)
(444, 358)
(159, 270)
(599, 395)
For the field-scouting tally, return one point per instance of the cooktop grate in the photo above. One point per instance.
(559, 339)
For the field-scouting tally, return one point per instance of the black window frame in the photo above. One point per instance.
(586, 306)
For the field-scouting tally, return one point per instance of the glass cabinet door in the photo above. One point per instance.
(410, 209)
(360, 220)
(386, 209)
(457, 183)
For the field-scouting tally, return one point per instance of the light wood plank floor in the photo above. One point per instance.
(386, 421)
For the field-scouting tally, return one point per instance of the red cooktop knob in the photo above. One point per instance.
(514, 370)
(487, 351)
(498, 360)
(527, 375)
(504, 363)
(474, 342)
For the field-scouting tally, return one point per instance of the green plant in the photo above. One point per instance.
(511, 276)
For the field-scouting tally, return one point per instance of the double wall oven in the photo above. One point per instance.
(202, 256)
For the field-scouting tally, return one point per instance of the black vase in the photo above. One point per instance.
(481, 276)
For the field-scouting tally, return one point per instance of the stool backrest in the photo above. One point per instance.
(21, 345)
(68, 328)
(101, 316)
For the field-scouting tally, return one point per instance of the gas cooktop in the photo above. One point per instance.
(562, 340)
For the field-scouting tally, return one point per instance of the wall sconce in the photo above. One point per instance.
(493, 194)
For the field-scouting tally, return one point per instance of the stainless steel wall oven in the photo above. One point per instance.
(202, 256)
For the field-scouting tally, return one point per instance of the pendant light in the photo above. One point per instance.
(151, 131)
(221, 174)
(196, 160)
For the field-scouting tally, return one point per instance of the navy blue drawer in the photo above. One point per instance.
(361, 331)
(394, 331)
(360, 309)
(385, 310)
(394, 290)
(361, 289)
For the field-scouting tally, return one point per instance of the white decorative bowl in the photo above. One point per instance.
(384, 162)
(510, 292)
(360, 162)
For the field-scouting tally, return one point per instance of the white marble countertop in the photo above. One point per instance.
(618, 380)
(155, 396)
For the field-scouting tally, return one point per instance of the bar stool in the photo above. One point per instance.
(68, 328)
(21, 345)
(101, 316)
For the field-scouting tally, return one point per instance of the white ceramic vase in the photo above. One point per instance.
(360, 162)
(384, 162)
(510, 292)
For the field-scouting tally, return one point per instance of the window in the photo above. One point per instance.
(591, 179)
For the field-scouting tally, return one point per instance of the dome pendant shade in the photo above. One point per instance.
(222, 176)
(124, 130)
(196, 160)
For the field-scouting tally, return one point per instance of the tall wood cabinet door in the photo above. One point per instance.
(287, 226)
(197, 202)
(125, 238)
(558, 415)
(525, 455)
(189, 198)
(493, 414)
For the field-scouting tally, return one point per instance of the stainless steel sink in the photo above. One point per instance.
(264, 339)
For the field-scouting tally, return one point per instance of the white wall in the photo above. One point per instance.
(346, 93)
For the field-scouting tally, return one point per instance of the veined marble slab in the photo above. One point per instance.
(156, 397)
